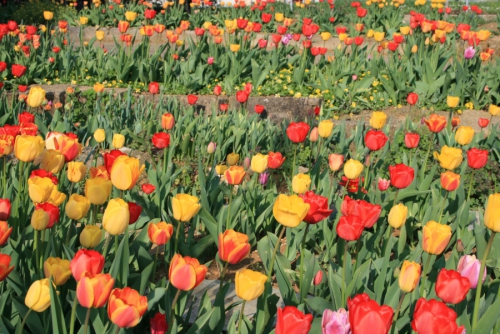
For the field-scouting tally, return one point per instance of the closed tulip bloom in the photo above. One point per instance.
(366, 316)
(185, 207)
(167, 121)
(494, 110)
(352, 169)
(375, 140)
(449, 158)
(220, 169)
(84, 20)
(464, 135)
(434, 317)
(249, 284)
(412, 140)
(48, 15)
(160, 233)
(99, 35)
(233, 246)
(409, 276)
(186, 273)
(450, 181)
(211, 147)
(6, 145)
(435, 123)
(325, 128)
(378, 119)
(477, 158)
(383, 184)
(77, 207)
(397, 215)
(259, 163)
(318, 278)
(58, 269)
(38, 295)
(401, 175)
(234, 175)
(125, 172)
(335, 161)
(94, 291)
(350, 227)
(379, 36)
(290, 320)
(313, 135)
(158, 324)
(97, 190)
(161, 140)
(91, 236)
(86, 261)
(28, 148)
(470, 267)
(301, 183)
(130, 16)
(40, 219)
(492, 213)
(275, 160)
(5, 232)
(452, 287)
(297, 131)
(52, 161)
(232, 159)
(452, 101)
(412, 98)
(435, 237)
(126, 307)
(118, 140)
(36, 97)
(40, 189)
(99, 135)
(290, 210)
(76, 171)
(116, 217)
(318, 207)
(335, 322)
(99, 88)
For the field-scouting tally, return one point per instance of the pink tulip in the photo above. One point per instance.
(318, 277)
(469, 267)
(383, 184)
(335, 322)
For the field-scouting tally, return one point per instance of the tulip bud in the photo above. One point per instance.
(118, 141)
(211, 147)
(160, 233)
(450, 181)
(318, 277)
(383, 184)
(409, 276)
(99, 135)
(232, 159)
(492, 213)
(185, 207)
(259, 163)
(77, 207)
(325, 128)
(38, 295)
(435, 237)
(397, 215)
(5, 207)
(414, 49)
(91, 236)
(335, 161)
(116, 217)
(352, 169)
(469, 267)
(313, 136)
(58, 269)
(246, 163)
(263, 178)
(76, 171)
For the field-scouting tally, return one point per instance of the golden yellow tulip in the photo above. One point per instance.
(97, 190)
(234, 47)
(39, 220)
(38, 296)
(249, 284)
(492, 213)
(99, 35)
(56, 197)
(464, 135)
(379, 36)
(352, 169)
(52, 161)
(36, 97)
(290, 210)
(125, 172)
(397, 215)
(301, 183)
(409, 276)
(259, 163)
(28, 148)
(452, 101)
(185, 207)
(76, 171)
(494, 110)
(405, 30)
(48, 15)
(378, 119)
(130, 16)
(279, 17)
(118, 141)
(91, 236)
(40, 189)
(116, 217)
(325, 128)
(449, 158)
(99, 135)
(77, 207)
(58, 269)
(325, 35)
(84, 20)
(232, 159)
(435, 237)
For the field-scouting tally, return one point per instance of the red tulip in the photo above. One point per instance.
(51, 210)
(401, 175)
(307, 20)
(318, 207)
(275, 160)
(86, 261)
(266, 18)
(3, 66)
(412, 140)
(159, 324)
(154, 88)
(350, 227)
(26, 117)
(307, 44)
(149, 14)
(297, 131)
(259, 109)
(199, 31)
(241, 23)
(392, 46)
(375, 140)
(148, 188)
(62, 24)
(314, 51)
(281, 30)
(192, 99)
(43, 173)
(135, 211)
(30, 129)
(341, 30)
(477, 158)
(262, 43)
(367, 316)
(367, 212)
(56, 49)
(257, 27)
(400, 39)
(361, 12)
(412, 99)
(358, 40)
(241, 96)
(109, 158)
(4, 266)
(482, 122)
(248, 88)
(4, 209)
(434, 317)
(290, 320)
(161, 140)
(18, 70)
(452, 287)
(217, 90)
(12, 25)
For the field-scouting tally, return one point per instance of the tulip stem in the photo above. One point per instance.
(4, 177)
(427, 154)
(343, 273)
(393, 330)
(229, 207)
(424, 275)
(273, 257)
(172, 310)
(302, 256)
(73, 316)
(37, 250)
(293, 164)
(42, 238)
(480, 281)
(367, 171)
(24, 321)
(117, 330)
(106, 246)
(87, 317)
(222, 275)
(177, 237)
(241, 315)
(155, 264)
(164, 160)
(470, 184)
(442, 205)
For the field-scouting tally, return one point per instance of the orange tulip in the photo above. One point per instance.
(435, 237)
(94, 291)
(5, 232)
(126, 307)
(4, 266)
(67, 146)
(125, 172)
(450, 181)
(186, 273)
(233, 246)
(160, 233)
(435, 123)
(234, 175)
(167, 121)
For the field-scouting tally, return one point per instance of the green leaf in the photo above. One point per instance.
(57, 316)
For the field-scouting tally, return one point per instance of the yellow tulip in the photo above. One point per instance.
(259, 163)
(185, 207)
(494, 110)
(36, 97)
(99, 135)
(58, 269)
(249, 284)
(397, 215)
(379, 36)
(414, 49)
(232, 159)
(405, 30)
(91, 236)
(435, 237)
(39, 220)
(207, 25)
(301, 183)
(492, 213)
(483, 35)
(77, 207)
(97, 190)
(378, 119)
(38, 296)
(342, 37)
(352, 169)
(125, 172)
(409, 276)
(118, 141)
(220, 169)
(56, 197)
(464, 135)
(99, 35)
(234, 47)
(452, 101)
(52, 161)
(84, 20)
(48, 15)
(370, 33)
(76, 171)
(325, 35)
(279, 17)
(130, 16)
(231, 24)
(449, 158)
(28, 148)
(116, 217)
(40, 189)
(290, 210)
(325, 128)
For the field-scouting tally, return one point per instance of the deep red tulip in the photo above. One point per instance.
(412, 99)
(350, 227)
(262, 43)
(318, 207)
(290, 320)
(314, 51)
(266, 18)
(281, 30)
(135, 211)
(434, 317)
(12, 25)
(26, 117)
(367, 316)
(375, 140)
(401, 175)
(482, 122)
(154, 88)
(400, 39)
(109, 158)
(259, 109)
(192, 99)
(307, 20)
(3, 66)
(150, 14)
(367, 212)
(56, 49)
(18, 70)
(275, 160)
(52, 211)
(341, 30)
(358, 40)
(159, 324)
(161, 140)
(412, 140)
(477, 158)
(257, 27)
(242, 96)
(307, 44)
(86, 261)
(297, 131)
(5, 207)
(148, 188)
(30, 129)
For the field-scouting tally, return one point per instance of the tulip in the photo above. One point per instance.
(6, 145)
(58, 269)
(38, 295)
(290, 210)
(48, 15)
(234, 175)
(186, 273)
(313, 135)
(154, 88)
(118, 140)
(109, 160)
(401, 175)
(5, 232)
(368, 213)
(94, 291)
(412, 140)
(126, 307)
(451, 287)
(469, 267)
(116, 217)
(477, 158)
(56, 197)
(77, 207)
(379, 36)
(220, 169)
(275, 160)
(125, 172)
(492, 213)
(290, 320)
(36, 97)
(167, 121)
(51, 213)
(434, 317)
(397, 215)
(318, 278)
(233, 246)
(335, 161)
(301, 183)
(211, 147)
(249, 284)
(97, 190)
(99, 35)
(130, 16)
(98, 88)
(335, 322)
(449, 158)
(241, 95)
(192, 99)
(25, 117)
(297, 132)
(148, 188)
(325, 128)
(86, 261)
(76, 171)
(494, 110)
(375, 140)
(259, 163)
(435, 237)
(158, 324)
(40, 189)
(409, 276)
(232, 159)
(52, 161)
(350, 227)
(67, 145)
(91, 236)
(318, 207)
(464, 135)
(352, 169)
(160, 233)
(452, 101)
(99, 135)
(483, 122)
(366, 316)
(435, 123)
(450, 181)
(383, 184)
(28, 148)
(185, 207)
